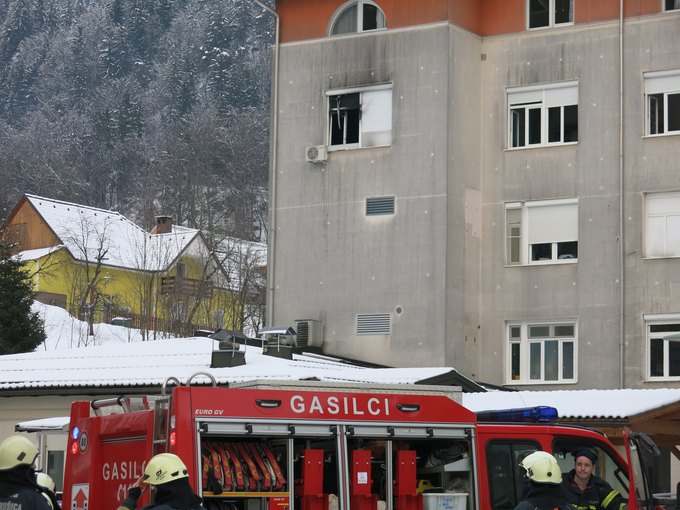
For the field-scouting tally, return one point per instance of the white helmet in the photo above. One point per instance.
(17, 450)
(164, 468)
(542, 468)
(45, 480)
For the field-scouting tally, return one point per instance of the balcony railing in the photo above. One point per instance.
(199, 289)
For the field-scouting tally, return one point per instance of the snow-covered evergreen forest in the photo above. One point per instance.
(146, 107)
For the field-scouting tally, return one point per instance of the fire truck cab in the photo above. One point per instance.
(315, 446)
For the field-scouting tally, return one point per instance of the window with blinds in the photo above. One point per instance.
(662, 229)
(541, 232)
(542, 115)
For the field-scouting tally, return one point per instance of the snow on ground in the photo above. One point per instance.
(66, 332)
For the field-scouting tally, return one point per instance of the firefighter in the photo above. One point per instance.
(587, 491)
(544, 479)
(45, 481)
(169, 476)
(18, 486)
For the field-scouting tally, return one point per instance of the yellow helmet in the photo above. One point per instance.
(164, 468)
(45, 480)
(17, 450)
(542, 468)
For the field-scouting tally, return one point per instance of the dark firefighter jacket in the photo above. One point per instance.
(599, 495)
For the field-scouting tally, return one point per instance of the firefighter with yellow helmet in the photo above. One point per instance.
(48, 489)
(544, 491)
(18, 486)
(169, 476)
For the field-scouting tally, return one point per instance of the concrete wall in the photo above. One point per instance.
(334, 262)
(441, 257)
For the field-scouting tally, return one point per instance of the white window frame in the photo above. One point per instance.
(660, 320)
(662, 219)
(551, 14)
(663, 83)
(360, 18)
(383, 117)
(542, 97)
(664, 9)
(525, 342)
(566, 233)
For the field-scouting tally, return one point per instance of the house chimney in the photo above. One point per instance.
(163, 224)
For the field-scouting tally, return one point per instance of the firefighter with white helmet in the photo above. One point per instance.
(49, 489)
(544, 486)
(169, 476)
(18, 486)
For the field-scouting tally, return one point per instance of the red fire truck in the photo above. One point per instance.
(313, 446)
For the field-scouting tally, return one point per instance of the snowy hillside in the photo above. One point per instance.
(66, 332)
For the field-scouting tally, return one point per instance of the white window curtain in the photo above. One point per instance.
(552, 223)
(376, 118)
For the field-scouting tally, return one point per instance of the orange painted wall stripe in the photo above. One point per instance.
(308, 19)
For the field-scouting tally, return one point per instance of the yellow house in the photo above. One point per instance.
(100, 266)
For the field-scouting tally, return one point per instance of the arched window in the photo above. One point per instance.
(357, 16)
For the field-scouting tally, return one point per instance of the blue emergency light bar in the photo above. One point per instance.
(519, 415)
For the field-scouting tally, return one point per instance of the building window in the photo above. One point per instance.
(541, 232)
(663, 346)
(662, 231)
(374, 324)
(181, 270)
(543, 114)
(360, 117)
(549, 13)
(662, 89)
(357, 16)
(378, 206)
(671, 5)
(542, 352)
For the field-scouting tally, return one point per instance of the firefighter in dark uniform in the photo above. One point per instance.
(168, 474)
(585, 490)
(543, 491)
(18, 487)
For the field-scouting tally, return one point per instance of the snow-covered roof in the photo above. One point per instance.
(36, 254)
(612, 404)
(152, 362)
(45, 425)
(84, 231)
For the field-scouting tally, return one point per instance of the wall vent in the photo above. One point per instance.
(376, 206)
(374, 324)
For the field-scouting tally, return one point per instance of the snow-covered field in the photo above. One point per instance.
(66, 332)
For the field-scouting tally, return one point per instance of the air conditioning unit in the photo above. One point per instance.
(309, 333)
(316, 154)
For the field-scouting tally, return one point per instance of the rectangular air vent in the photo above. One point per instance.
(376, 206)
(374, 324)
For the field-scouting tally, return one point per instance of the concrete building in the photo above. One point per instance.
(490, 185)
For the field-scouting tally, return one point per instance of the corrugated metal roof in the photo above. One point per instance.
(151, 363)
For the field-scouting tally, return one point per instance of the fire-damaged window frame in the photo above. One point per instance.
(662, 102)
(670, 5)
(549, 13)
(663, 351)
(543, 115)
(357, 16)
(538, 357)
(359, 117)
(662, 225)
(534, 228)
